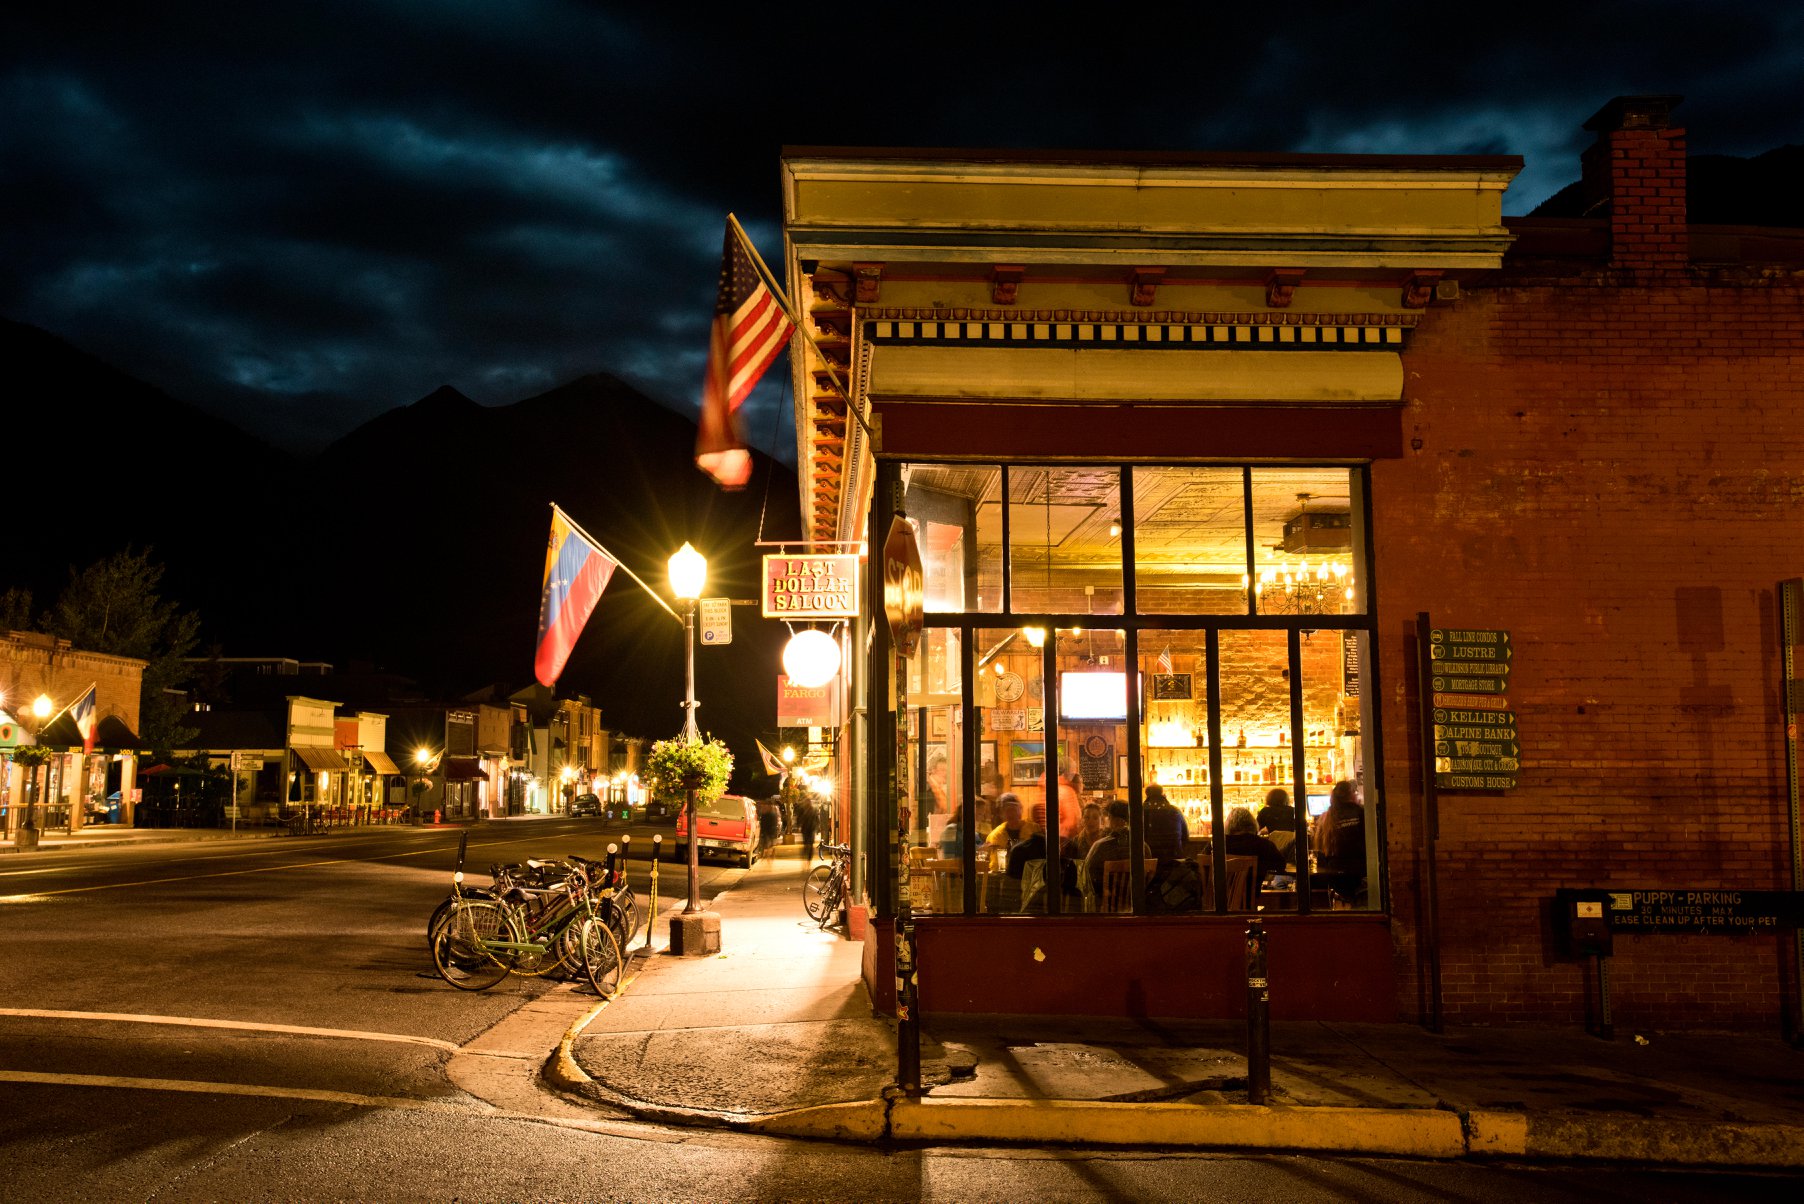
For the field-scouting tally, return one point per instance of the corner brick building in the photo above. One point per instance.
(1197, 451)
(1605, 456)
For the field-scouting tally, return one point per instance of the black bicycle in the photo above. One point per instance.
(825, 892)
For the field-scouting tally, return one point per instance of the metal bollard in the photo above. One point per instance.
(651, 919)
(1259, 1028)
(908, 1016)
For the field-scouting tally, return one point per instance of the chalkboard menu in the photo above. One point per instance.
(1096, 763)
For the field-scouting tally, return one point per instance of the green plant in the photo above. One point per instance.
(30, 756)
(678, 766)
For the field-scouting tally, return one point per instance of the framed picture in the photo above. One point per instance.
(936, 724)
(1171, 687)
(1121, 770)
(1027, 761)
(1012, 720)
(986, 760)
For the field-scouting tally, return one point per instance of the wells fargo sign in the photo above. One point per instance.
(810, 587)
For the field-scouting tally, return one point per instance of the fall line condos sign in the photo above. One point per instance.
(811, 587)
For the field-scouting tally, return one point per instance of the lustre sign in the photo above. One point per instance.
(810, 587)
(807, 706)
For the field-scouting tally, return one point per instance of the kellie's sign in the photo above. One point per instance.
(811, 587)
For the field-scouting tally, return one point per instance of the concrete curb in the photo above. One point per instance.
(1618, 1138)
(76, 846)
(1410, 1132)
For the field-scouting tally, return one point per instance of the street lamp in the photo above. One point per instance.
(422, 759)
(688, 574)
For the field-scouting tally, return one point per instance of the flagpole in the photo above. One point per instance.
(577, 527)
(795, 319)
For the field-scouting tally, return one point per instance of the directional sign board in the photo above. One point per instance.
(1475, 741)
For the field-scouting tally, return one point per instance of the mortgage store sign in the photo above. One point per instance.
(1475, 744)
(811, 587)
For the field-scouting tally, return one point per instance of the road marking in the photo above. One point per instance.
(245, 1025)
(202, 1088)
(269, 869)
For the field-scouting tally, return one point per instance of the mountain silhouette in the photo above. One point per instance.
(417, 541)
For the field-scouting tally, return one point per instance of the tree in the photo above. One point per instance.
(113, 606)
(15, 610)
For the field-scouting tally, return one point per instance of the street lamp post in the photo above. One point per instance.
(422, 759)
(41, 707)
(688, 574)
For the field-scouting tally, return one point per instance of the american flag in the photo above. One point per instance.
(1165, 660)
(750, 331)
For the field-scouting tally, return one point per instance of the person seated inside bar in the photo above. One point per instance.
(1277, 815)
(1034, 849)
(1013, 829)
(1244, 841)
(1088, 832)
(1339, 841)
(1115, 846)
(1166, 832)
(952, 836)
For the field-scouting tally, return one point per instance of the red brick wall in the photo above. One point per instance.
(1615, 476)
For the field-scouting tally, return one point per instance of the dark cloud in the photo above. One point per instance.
(303, 214)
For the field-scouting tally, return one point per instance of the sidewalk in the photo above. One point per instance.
(776, 1035)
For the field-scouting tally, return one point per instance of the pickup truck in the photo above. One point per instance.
(729, 824)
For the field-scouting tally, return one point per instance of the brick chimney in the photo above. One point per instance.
(1634, 174)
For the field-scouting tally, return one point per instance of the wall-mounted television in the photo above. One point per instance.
(1318, 803)
(1098, 694)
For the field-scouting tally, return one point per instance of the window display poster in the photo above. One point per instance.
(1027, 761)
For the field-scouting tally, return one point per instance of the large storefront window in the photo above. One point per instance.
(1141, 691)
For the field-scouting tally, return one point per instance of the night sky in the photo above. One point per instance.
(301, 214)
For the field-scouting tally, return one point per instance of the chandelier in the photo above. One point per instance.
(1300, 588)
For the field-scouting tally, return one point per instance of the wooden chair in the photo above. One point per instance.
(1118, 883)
(1243, 881)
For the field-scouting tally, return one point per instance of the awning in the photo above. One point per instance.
(464, 769)
(325, 760)
(380, 762)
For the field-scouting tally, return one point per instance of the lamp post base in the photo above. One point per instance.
(695, 933)
(27, 838)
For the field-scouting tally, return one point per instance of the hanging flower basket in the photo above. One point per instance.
(678, 766)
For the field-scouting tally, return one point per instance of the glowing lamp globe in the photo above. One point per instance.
(688, 572)
(811, 658)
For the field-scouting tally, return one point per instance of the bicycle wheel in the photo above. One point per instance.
(815, 891)
(442, 913)
(622, 918)
(601, 957)
(459, 953)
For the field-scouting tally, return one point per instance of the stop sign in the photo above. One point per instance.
(903, 596)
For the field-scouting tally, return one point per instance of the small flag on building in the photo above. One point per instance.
(1165, 660)
(749, 331)
(576, 571)
(772, 763)
(86, 717)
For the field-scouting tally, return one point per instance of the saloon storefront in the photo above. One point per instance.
(1190, 446)
(1141, 500)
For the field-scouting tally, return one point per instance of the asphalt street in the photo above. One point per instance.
(258, 1019)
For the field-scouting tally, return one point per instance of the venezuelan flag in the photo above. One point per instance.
(576, 571)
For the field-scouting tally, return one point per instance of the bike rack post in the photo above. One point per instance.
(651, 920)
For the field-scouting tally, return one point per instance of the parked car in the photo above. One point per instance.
(728, 824)
(586, 804)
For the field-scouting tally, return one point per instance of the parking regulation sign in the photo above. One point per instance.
(717, 621)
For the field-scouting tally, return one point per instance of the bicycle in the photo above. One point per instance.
(827, 886)
(485, 939)
(532, 879)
